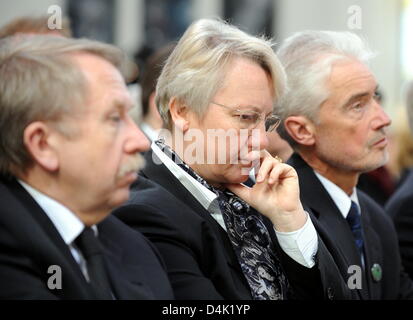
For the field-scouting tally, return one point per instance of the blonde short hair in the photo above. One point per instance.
(40, 82)
(195, 70)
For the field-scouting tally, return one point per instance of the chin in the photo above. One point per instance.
(119, 197)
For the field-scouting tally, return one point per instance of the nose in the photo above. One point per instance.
(136, 140)
(259, 138)
(381, 119)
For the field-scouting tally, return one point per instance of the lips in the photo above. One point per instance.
(381, 143)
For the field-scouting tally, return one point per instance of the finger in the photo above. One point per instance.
(252, 156)
(276, 173)
(268, 163)
(280, 173)
(265, 168)
(240, 190)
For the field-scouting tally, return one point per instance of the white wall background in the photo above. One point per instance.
(380, 25)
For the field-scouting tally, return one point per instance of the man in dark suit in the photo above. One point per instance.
(337, 128)
(399, 207)
(69, 152)
(219, 238)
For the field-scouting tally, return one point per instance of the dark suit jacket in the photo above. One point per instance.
(198, 253)
(400, 208)
(380, 240)
(30, 244)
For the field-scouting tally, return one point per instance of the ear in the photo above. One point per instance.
(179, 114)
(37, 136)
(301, 129)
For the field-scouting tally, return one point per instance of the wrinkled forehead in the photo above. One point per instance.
(103, 81)
(351, 75)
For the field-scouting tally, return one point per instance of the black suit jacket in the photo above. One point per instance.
(380, 240)
(400, 209)
(197, 251)
(30, 244)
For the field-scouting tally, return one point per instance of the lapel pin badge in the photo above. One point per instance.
(376, 272)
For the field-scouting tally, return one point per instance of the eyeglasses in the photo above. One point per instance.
(250, 119)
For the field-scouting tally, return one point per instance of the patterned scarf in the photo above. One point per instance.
(249, 237)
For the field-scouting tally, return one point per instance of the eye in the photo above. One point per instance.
(357, 107)
(115, 117)
(377, 96)
(249, 117)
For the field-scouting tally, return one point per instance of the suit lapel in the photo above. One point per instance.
(58, 251)
(332, 224)
(127, 281)
(372, 249)
(161, 175)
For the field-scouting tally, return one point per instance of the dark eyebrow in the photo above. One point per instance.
(357, 96)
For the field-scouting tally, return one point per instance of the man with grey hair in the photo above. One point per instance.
(219, 238)
(400, 205)
(68, 154)
(338, 130)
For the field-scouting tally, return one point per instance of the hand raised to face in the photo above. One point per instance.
(276, 194)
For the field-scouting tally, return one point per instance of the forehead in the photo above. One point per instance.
(246, 82)
(104, 82)
(350, 77)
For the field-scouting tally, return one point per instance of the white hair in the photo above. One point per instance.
(39, 81)
(308, 58)
(196, 69)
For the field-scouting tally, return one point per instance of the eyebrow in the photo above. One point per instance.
(121, 104)
(357, 96)
(254, 108)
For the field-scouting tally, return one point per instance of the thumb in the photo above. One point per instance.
(240, 190)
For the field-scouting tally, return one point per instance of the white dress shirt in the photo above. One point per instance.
(341, 199)
(300, 245)
(66, 222)
(150, 132)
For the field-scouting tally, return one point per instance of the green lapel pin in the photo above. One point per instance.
(376, 272)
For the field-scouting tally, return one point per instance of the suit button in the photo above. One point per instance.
(330, 293)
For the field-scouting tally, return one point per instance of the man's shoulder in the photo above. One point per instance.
(151, 195)
(401, 202)
(13, 206)
(150, 204)
(113, 231)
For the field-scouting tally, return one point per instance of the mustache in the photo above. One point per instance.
(134, 163)
(381, 135)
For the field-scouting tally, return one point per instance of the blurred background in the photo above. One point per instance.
(145, 27)
(142, 26)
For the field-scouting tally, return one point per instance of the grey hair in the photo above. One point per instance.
(40, 82)
(409, 102)
(308, 58)
(195, 70)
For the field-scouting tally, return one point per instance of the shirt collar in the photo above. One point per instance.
(150, 132)
(340, 198)
(66, 222)
(201, 193)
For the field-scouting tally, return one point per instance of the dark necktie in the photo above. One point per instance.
(91, 249)
(249, 237)
(354, 221)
